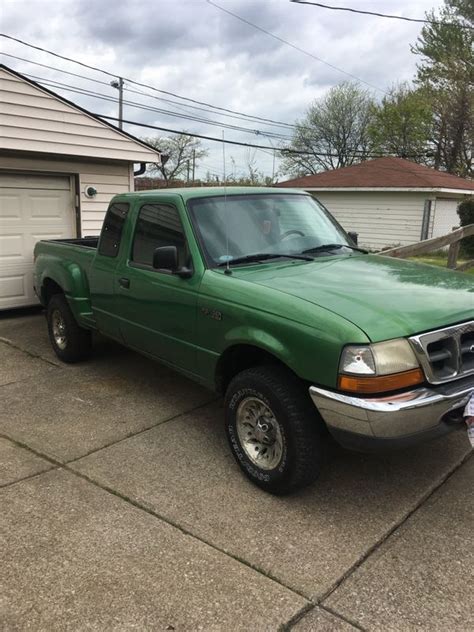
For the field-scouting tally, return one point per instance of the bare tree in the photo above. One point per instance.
(334, 133)
(180, 153)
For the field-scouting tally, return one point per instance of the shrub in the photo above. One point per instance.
(466, 215)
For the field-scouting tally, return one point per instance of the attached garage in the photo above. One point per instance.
(59, 167)
(389, 201)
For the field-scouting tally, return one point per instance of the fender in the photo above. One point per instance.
(245, 335)
(72, 279)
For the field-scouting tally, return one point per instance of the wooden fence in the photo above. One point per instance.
(453, 240)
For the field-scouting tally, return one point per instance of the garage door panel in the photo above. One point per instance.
(10, 206)
(44, 206)
(40, 207)
(11, 246)
(16, 285)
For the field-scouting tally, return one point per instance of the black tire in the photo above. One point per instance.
(301, 437)
(77, 341)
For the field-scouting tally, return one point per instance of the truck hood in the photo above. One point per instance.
(383, 296)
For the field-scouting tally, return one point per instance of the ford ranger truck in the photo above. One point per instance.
(259, 294)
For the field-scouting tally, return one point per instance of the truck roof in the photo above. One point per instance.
(194, 192)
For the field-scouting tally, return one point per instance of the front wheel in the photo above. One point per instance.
(273, 429)
(70, 342)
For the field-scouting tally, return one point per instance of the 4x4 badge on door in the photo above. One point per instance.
(213, 313)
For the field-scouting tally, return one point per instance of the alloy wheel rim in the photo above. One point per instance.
(259, 433)
(59, 329)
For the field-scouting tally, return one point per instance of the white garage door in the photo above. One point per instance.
(32, 207)
(445, 217)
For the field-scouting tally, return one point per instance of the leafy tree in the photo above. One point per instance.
(178, 154)
(446, 74)
(401, 123)
(334, 132)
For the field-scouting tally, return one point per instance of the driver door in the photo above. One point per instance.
(158, 309)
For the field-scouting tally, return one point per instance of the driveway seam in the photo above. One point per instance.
(139, 432)
(23, 379)
(343, 617)
(372, 549)
(311, 602)
(148, 510)
(26, 478)
(11, 344)
(302, 612)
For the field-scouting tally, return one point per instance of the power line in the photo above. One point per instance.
(90, 93)
(384, 15)
(137, 83)
(243, 117)
(282, 150)
(262, 147)
(294, 46)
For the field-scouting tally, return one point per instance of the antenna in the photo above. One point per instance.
(227, 268)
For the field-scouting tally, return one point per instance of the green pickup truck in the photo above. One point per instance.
(260, 294)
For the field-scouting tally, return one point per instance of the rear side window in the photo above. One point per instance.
(112, 229)
(158, 225)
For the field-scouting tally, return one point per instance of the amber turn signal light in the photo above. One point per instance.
(380, 383)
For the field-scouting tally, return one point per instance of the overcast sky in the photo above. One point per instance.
(192, 49)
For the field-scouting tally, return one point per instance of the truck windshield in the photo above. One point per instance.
(238, 226)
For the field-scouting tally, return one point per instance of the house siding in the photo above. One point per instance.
(445, 216)
(380, 219)
(33, 120)
(108, 178)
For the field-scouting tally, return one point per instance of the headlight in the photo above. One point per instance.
(384, 366)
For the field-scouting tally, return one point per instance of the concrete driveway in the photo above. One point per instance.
(121, 508)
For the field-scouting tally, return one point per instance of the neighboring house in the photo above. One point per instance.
(53, 156)
(389, 201)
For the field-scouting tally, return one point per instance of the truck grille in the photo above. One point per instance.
(446, 354)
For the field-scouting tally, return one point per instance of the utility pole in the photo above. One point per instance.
(118, 84)
(187, 171)
(194, 164)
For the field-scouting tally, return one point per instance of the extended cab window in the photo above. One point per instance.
(112, 229)
(158, 225)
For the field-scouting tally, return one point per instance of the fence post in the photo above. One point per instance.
(453, 253)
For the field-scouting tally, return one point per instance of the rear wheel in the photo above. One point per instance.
(70, 342)
(273, 429)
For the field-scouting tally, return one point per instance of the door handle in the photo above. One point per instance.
(123, 282)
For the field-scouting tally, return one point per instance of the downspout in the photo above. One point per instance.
(141, 170)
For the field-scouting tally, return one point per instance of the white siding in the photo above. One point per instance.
(108, 178)
(35, 121)
(381, 219)
(445, 216)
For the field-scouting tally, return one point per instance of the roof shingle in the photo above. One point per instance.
(382, 173)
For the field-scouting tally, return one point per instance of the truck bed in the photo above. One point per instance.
(85, 242)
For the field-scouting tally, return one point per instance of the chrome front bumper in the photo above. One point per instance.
(408, 417)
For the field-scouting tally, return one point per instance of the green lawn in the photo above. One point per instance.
(438, 260)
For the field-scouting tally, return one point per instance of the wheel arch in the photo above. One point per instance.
(240, 356)
(49, 287)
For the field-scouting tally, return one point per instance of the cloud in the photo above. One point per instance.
(189, 47)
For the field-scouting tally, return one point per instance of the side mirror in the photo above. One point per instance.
(354, 236)
(166, 258)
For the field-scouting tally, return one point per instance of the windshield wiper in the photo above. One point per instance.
(262, 256)
(325, 247)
